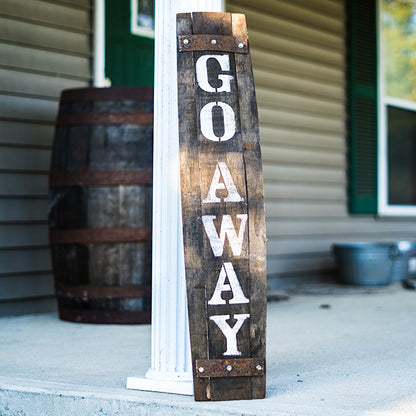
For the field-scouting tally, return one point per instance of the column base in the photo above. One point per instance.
(163, 382)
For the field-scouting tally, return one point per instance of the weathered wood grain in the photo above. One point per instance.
(191, 205)
(222, 207)
(255, 200)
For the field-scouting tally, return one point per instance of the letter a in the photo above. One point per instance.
(227, 270)
(227, 229)
(233, 195)
(230, 333)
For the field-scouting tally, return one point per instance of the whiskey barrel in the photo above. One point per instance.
(100, 205)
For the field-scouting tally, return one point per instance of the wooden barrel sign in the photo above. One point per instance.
(100, 205)
(222, 207)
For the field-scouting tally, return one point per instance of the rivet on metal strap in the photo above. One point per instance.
(241, 45)
(201, 369)
(229, 367)
(258, 368)
(186, 41)
(214, 42)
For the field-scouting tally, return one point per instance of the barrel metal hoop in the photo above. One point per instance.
(96, 292)
(101, 235)
(101, 178)
(107, 94)
(104, 316)
(85, 118)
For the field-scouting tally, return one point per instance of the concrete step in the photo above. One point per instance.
(34, 398)
(346, 355)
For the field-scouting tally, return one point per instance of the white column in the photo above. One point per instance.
(171, 369)
(99, 44)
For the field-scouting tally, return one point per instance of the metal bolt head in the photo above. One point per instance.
(241, 45)
(214, 42)
(229, 367)
(185, 41)
(201, 369)
(258, 367)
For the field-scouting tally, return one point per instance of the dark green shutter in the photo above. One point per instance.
(128, 58)
(362, 106)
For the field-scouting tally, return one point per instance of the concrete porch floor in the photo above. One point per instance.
(352, 353)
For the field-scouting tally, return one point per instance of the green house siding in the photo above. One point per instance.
(362, 105)
(129, 58)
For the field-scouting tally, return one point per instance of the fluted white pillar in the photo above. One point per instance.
(99, 43)
(170, 369)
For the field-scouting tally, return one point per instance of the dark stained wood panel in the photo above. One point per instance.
(222, 207)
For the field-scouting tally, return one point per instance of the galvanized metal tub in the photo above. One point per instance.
(366, 263)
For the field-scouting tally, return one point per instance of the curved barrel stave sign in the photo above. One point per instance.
(222, 207)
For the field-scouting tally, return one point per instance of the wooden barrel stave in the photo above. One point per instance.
(122, 147)
(107, 264)
(95, 207)
(114, 106)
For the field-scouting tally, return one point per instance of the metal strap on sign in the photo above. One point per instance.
(192, 43)
(240, 367)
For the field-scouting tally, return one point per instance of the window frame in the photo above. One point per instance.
(383, 208)
(135, 29)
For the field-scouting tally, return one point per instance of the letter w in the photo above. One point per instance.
(227, 229)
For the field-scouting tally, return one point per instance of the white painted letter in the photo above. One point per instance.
(230, 333)
(227, 229)
(207, 127)
(233, 195)
(202, 73)
(227, 270)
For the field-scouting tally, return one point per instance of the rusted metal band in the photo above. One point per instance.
(136, 118)
(239, 367)
(104, 317)
(100, 235)
(107, 94)
(101, 178)
(98, 292)
(220, 43)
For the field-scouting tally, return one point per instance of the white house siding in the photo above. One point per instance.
(299, 61)
(45, 46)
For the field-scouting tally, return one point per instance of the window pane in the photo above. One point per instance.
(401, 156)
(399, 48)
(145, 14)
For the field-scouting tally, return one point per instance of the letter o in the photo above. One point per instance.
(207, 127)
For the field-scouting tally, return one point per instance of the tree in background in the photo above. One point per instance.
(399, 48)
